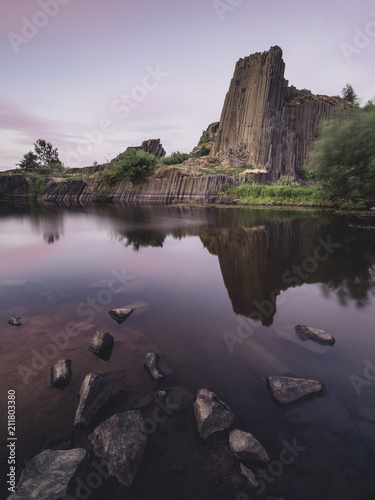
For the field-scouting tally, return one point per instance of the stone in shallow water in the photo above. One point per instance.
(150, 363)
(61, 373)
(288, 333)
(121, 314)
(94, 394)
(50, 475)
(15, 321)
(101, 343)
(211, 414)
(246, 447)
(308, 333)
(286, 390)
(121, 441)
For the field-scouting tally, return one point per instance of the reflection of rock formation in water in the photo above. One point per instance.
(253, 260)
(262, 252)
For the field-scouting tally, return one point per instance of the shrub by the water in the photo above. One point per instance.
(133, 166)
(344, 157)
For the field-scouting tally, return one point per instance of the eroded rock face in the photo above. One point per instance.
(151, 364)
(94, 394)
(50, 475)
(211, 414)
(308, 333)
(101, 342)
(61, 373)
(286, 390)
(269, 123)
(121, 314)
(246, 447)
(121, 442)
(207, 139)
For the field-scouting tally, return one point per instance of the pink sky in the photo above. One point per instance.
(69, 77)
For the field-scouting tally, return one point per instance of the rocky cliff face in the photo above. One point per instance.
(172, 187)
(265, 121)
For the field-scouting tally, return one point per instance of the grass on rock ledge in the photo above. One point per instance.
(255, 194)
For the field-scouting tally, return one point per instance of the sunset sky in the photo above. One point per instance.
(118, 72)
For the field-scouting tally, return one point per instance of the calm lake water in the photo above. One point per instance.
(218, 293)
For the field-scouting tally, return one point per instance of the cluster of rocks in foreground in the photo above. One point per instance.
(120, 441)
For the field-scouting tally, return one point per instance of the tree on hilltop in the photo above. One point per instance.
(29, 162)
(45, 158)
(348, 94)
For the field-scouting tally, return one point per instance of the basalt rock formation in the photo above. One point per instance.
(172, 187)
(207, 139)
(152, 146)
(266, 122)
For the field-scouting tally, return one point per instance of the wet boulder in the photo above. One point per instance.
(121, 442)
(121, 314)
(308, 333)
(101, 343)
(246, 447)
(151, 364)
(94, 394)
(51, 475)
(15, 321)
(61, 373)
(211, 414)
(286, 390)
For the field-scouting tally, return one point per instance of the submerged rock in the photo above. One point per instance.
(101, 343)
(121, 314)
(15, 321)
(61, 373)
(150, 363)
(121, 441)
(249, 474)
(174, 399)
(285, 390)
(246, 447)
(94, 394)
(211, 414)
(308, 333)
(50, 475)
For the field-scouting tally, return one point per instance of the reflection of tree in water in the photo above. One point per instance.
(49, 221)
(349, 272)
(51, 238)
(138, 238)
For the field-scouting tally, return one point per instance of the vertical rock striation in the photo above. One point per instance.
(264, 121)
